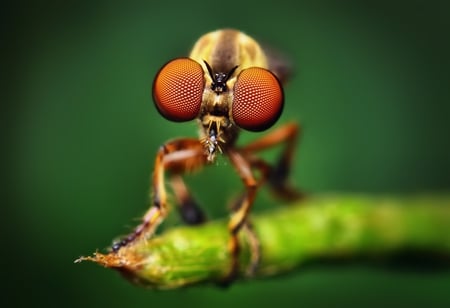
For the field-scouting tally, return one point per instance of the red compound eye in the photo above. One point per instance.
(258, 99)
(178, 89)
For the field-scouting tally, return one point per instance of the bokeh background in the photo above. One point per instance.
(371, 89)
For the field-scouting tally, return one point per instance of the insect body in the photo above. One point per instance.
(227, 84)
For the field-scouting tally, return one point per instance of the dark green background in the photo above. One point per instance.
(371, 90)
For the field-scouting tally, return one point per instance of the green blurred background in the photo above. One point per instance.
(371, 89)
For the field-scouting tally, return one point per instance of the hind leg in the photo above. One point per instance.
(276, 175)
(189, 210)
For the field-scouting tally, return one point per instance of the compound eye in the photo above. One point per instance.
(178, 89)
(258, 99)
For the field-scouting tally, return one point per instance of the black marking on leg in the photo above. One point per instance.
(130, 238)
(116, 246)
(278, 182)
(123, 242)
(236, 203)
(157, 200)
(191, 213)
(279, 174)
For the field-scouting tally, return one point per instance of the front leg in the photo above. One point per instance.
(177, 156)
(240, 215)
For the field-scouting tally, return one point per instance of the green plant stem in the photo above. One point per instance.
(321, 227)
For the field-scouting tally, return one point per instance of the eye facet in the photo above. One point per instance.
(178, 89)
(258, 99)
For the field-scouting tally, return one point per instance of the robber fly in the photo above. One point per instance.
(227, 84)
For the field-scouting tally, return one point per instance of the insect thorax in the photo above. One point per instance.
(224, 49)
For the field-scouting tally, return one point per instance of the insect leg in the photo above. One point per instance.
(239, 216)
(188, 208)
(176, 156)
(255, 248)
(276, 175)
